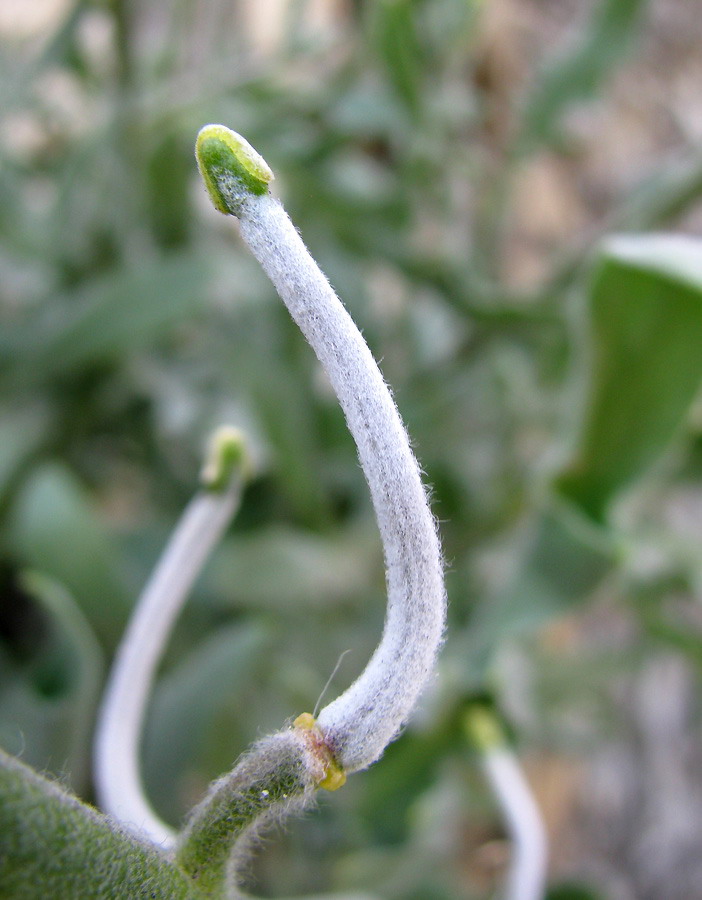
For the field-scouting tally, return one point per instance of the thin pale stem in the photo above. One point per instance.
(526, 877)
(117, 745)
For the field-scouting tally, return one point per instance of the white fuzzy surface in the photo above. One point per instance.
(364, 719)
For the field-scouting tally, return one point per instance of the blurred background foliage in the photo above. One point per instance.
(455, 166)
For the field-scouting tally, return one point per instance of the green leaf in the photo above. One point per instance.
(646, 309)
(576, 75)
(51, 669)
(400, 50)
(573, 891)
(52, 845)
(408, 768)
(169, 172)
(354, 895)
(282, 568)
(565, 559)
(55, 528)
(662, 196)
(192, 728)
(22, 433)
(116, 315)
(228, 164)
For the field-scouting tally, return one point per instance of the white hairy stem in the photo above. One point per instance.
(526, 878)
(360, 723)
(117, 744)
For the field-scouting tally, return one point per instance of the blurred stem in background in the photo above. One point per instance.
(526, 877)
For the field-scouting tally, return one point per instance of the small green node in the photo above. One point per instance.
(226, 455)
(228, 162)
(483, 729)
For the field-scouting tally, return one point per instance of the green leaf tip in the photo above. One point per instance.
(227, 455)
(230, 168)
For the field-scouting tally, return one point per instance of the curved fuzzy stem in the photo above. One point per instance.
(117, 743)
(362, 721)
(278, 775)
(526, 878)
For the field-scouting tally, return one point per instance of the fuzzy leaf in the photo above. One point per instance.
(52, 845)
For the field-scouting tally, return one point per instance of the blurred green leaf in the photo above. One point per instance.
(400, 49)
(288, 418)
(646, 310)
(565, 559)
(573, 891)
(22, 432)
(407, 770)
(284, 568)
(51, 667)
(115, 315)
(345, 895)
(192, 733)
(662, 195)
(16, 88)
(577, 74)
(169, 176)
(55, 528)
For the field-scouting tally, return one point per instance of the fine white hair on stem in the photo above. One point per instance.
(360, 723)
(117, 742)
(526, 876)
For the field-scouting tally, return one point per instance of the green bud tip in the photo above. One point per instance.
(226, 454)
(228, 164)
(482, 729)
